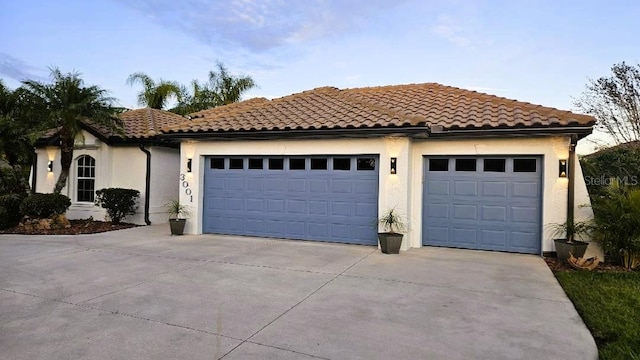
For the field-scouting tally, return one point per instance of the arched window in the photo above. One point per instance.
(86, 178)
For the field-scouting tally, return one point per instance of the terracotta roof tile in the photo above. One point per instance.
(375, 107)
(142, 123)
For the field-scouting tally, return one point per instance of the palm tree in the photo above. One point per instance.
(228, 88)
(18, 132)
(155, 94)
(67, 102)
(222, 88)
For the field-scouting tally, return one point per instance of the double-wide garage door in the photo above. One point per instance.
(326, 198)
(488, 203)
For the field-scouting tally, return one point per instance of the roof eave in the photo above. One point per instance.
(413, 131)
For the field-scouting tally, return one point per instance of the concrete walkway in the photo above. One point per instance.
(142, 294)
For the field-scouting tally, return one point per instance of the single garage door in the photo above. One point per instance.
(488, 203)
(325, 198)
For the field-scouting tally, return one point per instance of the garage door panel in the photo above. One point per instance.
(341, 186)
(255, 205)
(523, 240)
(489, 210)
(525, 190)
(275, 206)
(494, 213)
(341, 208)
(275, 185)
(320, 186)
(463, 235)
(234, 183)
(438, 235)
(527, 215)
(367, 186)
(494, 188)
(438, 211)
(318, 207)
(493, 238)
(295, 202)
(234, 204)
(465, 212)
(296, 185)
(438, 187)
(296, 207)
(466, 188)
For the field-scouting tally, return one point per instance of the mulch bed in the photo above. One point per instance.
(555, 265)
(77, 227)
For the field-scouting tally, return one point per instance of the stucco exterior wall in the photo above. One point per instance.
(122, 166)
(165, 171)
(403, 190)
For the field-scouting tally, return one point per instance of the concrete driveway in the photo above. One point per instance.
(142, 294)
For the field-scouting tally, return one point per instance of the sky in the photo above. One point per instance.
(542, 52)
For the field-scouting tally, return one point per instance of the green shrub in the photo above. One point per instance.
(44, 205)
(617, 223)
(619, 163)
(10, 213)
(118, 202)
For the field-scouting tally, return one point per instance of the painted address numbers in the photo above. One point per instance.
(185, 186)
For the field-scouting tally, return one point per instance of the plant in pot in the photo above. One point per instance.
(391, 239)
(177, 216)
(568, 244)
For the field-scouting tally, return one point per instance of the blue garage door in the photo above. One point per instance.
(488, 203)
(326, 198)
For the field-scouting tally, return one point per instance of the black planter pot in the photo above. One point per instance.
(390, 242)
(177, 226)
(563, 248)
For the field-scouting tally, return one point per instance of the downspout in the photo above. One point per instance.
(34, 174)
(571, 186)
(147, 185)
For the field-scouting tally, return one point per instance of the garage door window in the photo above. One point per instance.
(236, 164)
(494, 165)
(297, 164)
(255, 164)
(319, 164)
(341, 164)
(465, 164)
(217, 163)
(524, 165)
(276, 164)
(366, 164)
(438, 164)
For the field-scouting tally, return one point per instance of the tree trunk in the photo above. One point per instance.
(66, 158)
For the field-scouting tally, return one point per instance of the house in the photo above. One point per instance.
(137, 159)
(467, 169)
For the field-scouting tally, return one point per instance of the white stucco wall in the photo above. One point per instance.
(402, 190)
(165, 171)
(119, 166)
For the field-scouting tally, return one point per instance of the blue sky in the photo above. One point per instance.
(536, 51)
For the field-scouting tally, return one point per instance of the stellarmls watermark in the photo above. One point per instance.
(602, 180)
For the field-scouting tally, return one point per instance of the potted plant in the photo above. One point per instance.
(568, 244)
(391, 239)
(177, 216)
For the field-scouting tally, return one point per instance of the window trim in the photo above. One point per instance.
(77, 177)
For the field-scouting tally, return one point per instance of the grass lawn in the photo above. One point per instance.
(609, 303)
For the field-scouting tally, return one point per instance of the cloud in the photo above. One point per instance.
(451, 30)
(260, 25)
(17, 69)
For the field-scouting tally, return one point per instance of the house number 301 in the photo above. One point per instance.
(185, 186)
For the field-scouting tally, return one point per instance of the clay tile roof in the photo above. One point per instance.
(413, 105)
(142, 123)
